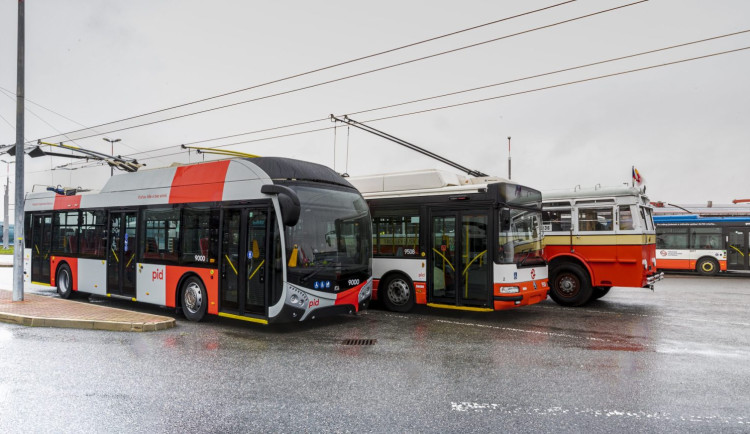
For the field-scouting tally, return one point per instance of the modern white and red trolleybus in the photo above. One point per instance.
(262, 240)
(598, 238)
(455, 242)
(706, 244)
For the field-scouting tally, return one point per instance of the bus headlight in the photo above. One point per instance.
(645, 265)
(365, 292)
(296, 298)
(509, 290)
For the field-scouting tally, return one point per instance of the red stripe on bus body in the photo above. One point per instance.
(67, 202)
(209, 277)
(199, 183)
(350, 296)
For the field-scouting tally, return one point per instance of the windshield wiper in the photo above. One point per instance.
(307, 276)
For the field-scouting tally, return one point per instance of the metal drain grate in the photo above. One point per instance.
(359, 342)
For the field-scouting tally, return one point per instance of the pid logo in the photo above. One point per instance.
(157, 275)
(314, 303)
(533, 274)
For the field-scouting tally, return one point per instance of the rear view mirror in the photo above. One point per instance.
(288, 202)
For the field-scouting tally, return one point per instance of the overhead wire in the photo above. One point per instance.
(569, 83)
(441, 53)
(610, 60)
(312, 71)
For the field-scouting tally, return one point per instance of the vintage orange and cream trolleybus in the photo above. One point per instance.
(598, 238)
(261, 240)
(453, 241)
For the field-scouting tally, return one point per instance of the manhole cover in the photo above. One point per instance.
(359, 341)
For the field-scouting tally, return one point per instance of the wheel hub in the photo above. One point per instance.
(193, 298)
(398, 292)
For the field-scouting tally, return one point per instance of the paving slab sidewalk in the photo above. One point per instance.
(43, 311)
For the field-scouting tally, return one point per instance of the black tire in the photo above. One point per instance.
(707, 267)
(599, 292)
(64, 281)
(570, 285)
(397, 293)
(194, 299)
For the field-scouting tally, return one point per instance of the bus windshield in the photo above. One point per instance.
(331, 240)
(520, 237)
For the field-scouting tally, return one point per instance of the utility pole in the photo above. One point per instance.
(6, 217)
(112, 146)
(19, 226)
(508, 157)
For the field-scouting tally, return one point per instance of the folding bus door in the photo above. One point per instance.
(41, 244)
(121, 262)
(738, 248)
(458, 258)
(243, 281)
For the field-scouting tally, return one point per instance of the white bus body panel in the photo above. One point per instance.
(414, 268)
(92, 276)
(150, 284)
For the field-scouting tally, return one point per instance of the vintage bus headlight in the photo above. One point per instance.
(509, 289)
(645, 265)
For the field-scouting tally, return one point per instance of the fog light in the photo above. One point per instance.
(509, 290)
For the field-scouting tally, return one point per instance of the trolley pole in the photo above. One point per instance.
(508, 157)
(19, 226)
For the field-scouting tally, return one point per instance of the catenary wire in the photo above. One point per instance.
(481, 100)
(569, 83)
(354, 75)
(357, 59)
(465, 90)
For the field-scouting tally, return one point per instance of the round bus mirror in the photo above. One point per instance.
(288, 202)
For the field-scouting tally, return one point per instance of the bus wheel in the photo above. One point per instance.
(64, 281)
(397, 294)
(194, 299)
(570, 286)
(599, 292)
(708, 267)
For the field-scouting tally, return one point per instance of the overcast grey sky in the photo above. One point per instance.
(684, 127)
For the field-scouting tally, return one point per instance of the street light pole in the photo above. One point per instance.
(19, 226)
(112, 146)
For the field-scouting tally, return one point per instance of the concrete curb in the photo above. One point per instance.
(116, 326)
(42, 311)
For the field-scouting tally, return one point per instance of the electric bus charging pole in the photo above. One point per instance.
(19, 222)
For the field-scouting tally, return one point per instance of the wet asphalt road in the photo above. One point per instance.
(675, 360)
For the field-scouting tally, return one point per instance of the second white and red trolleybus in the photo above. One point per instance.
(262, 240)
(453, 241)
(598, 238)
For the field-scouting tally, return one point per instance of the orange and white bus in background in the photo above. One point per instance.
(455, 242)
(261, 240)
(598, 238)
(703, 244)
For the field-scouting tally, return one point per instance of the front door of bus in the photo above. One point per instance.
(41, 244)
(738, 249)
(121, 261)
(243, 265)
(461, 273)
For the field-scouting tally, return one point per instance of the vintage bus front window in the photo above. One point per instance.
(520, 237)
(332, 238)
